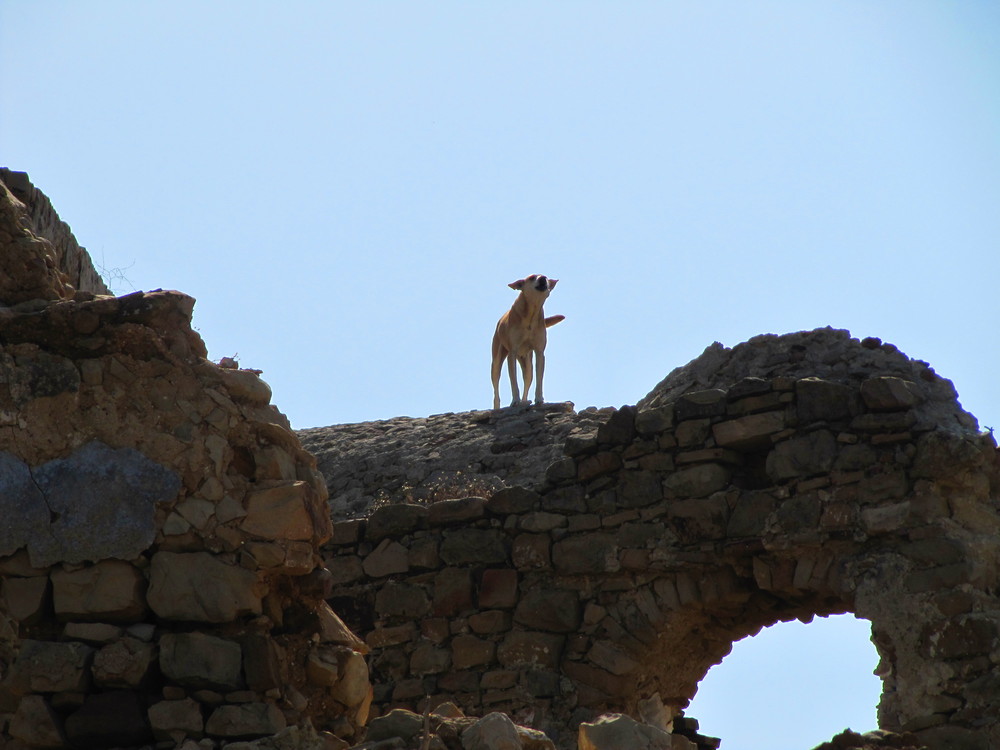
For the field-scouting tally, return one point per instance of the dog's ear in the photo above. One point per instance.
(516, 285)
(552, 284)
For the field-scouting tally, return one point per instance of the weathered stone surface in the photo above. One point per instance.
(551, 610)
(124, 663)
(37, 725)
(527, 648)
(111, 591)
(463, 546)
(53, 667)
(176, 719)
(468, 651)
(388, 558)
(618, 732)
(397, 723)
(25, 598)
(402, 600)
(590, 553)
(498, 588)
(199, 587)
(700, 480)
(890, 393)
(245, 721)
(750, 431)
(803, 456)
(494, 731)
(452, 591)
(101, 502)
(395, 521)
(280, 512)
(354, 687)
(198, 660)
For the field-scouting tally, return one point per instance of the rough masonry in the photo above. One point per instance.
(788, 477)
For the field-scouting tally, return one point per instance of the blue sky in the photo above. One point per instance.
(348, 188)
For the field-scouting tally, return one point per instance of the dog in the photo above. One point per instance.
(520, 336)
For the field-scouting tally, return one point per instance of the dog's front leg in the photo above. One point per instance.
(539, 373)
(512, 372)
(526, 373)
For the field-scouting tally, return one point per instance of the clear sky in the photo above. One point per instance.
(348, 188)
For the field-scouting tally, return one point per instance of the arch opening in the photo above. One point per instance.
(792, 685)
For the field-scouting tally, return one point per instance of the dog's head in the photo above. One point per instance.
(535, 285)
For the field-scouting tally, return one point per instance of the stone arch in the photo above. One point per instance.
(788, 477)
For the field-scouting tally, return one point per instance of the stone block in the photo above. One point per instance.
(884, 393)
(395, 521)
(802, 456)
(611, 657)
(700, 480)
(397, 723)
(47, 667)
(465, 546)
(820, 400)
(37, 725)
(263, 663)
(111, 591)
(524, 648)
(468, 651)
(428, 659)
(92, 632)
(495, 731)
(197, 660)
(498, 588)
(598, 465)
(398, 599)
(531, 551)
(124, 663)
(452, 591)
(587, 553)
(323, 665)
(113, 719)
(490, 621)
(884, 519)
(461, 510)
(551, 610)
(199, 587)
(614, 731)
(700, 404)
(280, 512)
(654, 421)
(354, 688)
(389, 558)
(102, 502)
(750, 432)
(698, 520)
(541, 521)
(174, 720)
(245, 721)
(512, 500)
(25, 599)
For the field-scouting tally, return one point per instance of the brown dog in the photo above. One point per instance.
(520, 335)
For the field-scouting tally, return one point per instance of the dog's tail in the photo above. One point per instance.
(552, 320)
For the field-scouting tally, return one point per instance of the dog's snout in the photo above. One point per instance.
(541, 283)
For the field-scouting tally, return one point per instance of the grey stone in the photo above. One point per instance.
(823, 400)
(802, 456)
(397, 723)
(473, 546)
(53, 667)
(245, 721)
(552, 610)
(700, 480)
(175, 719)
(37, 725)
(95, 504)
(198, 660)
(494, 731)
(885, 393)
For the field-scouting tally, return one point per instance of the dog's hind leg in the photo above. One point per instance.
(539, 374)
(498, 358)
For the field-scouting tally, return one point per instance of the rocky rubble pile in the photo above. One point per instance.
(158, 552)
(447, 455)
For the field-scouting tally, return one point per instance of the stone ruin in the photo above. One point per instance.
(172, 577)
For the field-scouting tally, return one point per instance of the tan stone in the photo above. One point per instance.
(280, 512)
(201, 588)
(617, 732)
(176, 719)
(245, 721)
(112, 590)
(37, 725)
(354, 688)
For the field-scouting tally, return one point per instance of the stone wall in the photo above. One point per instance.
(158, 551)
(38, 215)
(786, 478)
